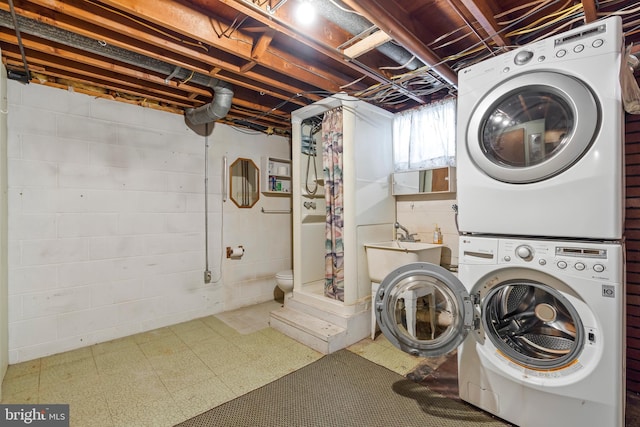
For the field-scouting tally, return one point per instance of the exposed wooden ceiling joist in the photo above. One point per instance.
(163, 53)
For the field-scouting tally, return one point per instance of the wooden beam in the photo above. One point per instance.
(129, 36)
(292, 30)
(590, 11)
(258, 50)
(184, 20)
(484, 15)
(261, 46)
(365, 45)
(66, 53)
(377, 13)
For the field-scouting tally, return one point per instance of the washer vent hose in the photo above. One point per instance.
(215, 110)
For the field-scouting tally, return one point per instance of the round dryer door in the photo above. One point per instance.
(423, 309)
(532, 127)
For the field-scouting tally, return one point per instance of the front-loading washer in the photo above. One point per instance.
(540, 147)
(538, 326)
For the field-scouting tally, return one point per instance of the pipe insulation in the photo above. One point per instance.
(215, 110)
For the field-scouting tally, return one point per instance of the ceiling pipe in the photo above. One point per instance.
(217, 109)
(356, 24)
(378, 15)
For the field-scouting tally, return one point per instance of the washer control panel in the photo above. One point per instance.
(583, 259)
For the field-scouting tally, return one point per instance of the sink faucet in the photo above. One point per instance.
(406, 237)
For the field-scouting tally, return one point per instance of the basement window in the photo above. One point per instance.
(425, 137)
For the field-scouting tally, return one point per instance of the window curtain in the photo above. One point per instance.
(425, 137)
(332, 166)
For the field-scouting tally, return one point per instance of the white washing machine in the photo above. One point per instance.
(540, 147)
(538, 324)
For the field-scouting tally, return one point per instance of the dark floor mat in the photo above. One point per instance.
(343, 389)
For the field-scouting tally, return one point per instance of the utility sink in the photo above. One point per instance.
(384, 257)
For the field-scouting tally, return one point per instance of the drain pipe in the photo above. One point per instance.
(207, 272)
(206, 114)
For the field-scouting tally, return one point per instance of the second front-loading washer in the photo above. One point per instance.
(538, 325)
(540, 148)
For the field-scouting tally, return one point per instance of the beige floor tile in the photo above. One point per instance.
(138, 386)
(220, 327)
(75, 373)
(395, 360)
(181, 370)
(162, 412)
(162, 377)
(251, 319)
(120, 344)
(23, 396)
(164, 346)
(154, 335)
(102, 418)
(221, 357)
(25, 384)
(66, 357)
(198, 334)
(72, 393)
(122, 360)
(85, 405)
(202, 396)
(24, 368)
(187, 326)
(243, 380)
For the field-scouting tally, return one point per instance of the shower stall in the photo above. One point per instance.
(368, 214)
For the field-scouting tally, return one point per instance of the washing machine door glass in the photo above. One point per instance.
(532, 324)
(423, 309)
(532, 127)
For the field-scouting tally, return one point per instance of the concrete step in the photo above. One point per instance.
(311, 331)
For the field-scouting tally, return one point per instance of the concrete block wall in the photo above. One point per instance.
(106, 221)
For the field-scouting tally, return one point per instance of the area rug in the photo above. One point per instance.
(343, 390)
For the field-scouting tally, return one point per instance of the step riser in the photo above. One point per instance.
(317, 333)
(301, 336)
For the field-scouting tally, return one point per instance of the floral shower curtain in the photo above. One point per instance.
(332, 166)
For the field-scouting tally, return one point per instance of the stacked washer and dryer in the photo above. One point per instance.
(537, 311)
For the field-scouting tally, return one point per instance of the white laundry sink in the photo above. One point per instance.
(384, 257)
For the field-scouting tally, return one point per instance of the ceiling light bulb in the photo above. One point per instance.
(305, 13)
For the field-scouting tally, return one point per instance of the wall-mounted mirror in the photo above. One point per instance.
(244, 183)
(424, 181)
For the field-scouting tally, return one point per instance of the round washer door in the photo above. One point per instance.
(531, 323)
(532, 127)
(423, 309)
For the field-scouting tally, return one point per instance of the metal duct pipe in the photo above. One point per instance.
(223, 91)
(356, 24)
(215, 110)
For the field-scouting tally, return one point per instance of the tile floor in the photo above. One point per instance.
(162, 377)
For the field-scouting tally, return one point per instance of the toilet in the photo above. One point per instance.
(284, 280)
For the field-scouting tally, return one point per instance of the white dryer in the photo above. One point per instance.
(540, 148)
(539, 326)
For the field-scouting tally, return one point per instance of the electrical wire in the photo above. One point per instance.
(344, 9)
(148, 26)
(623, 11)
